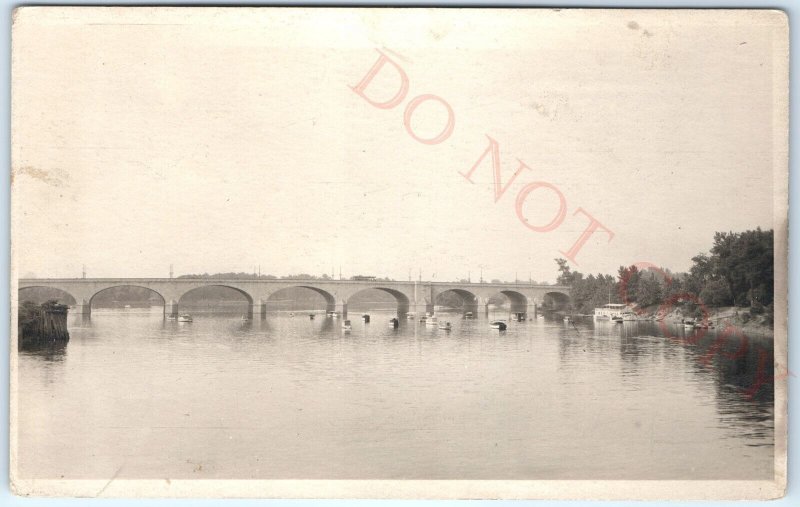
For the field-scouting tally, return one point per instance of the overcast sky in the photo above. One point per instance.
(221, 142)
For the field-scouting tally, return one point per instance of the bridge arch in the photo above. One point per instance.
(518, 302)
(555, 300)
(45, 293)
(403, 302)
(469, 301)
(330, 299)
(87, 309)
(248, 298)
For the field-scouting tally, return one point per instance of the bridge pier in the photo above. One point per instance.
(421, 308)
(259, 308)
(341, 308)
(402, 310)
(171, 308)
(84, 309)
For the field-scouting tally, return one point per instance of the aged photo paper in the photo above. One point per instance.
(399, 253)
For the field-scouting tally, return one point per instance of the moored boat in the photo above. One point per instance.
(609, 311)
(184, 317)
(346, 327)
(431, 321)
(498, 324)
(445, 325)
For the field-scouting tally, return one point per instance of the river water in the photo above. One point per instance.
(289, 397)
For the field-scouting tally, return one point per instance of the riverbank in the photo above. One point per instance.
(722, 317)
(41, 325)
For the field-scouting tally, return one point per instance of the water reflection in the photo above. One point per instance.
(292, 397)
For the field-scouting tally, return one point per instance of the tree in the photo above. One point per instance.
(565, 276)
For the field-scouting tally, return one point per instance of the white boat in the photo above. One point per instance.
(617, 319)
(688, 323)
(245, 318)
(468, 315)
(541, 317)
(410, 315)
(431, 321)
(172, 317)
(333, 315)
(609, 311)
(629, 317)
(498, 324)
(346, 326)
(445, 325)
(184, 317)
(567, 319)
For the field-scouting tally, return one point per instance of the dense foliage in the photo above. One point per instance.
(737, 271)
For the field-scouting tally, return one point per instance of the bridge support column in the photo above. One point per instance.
(259, 308)
(341, 308)
(402, 310)
(84, 309)
(171, 308)
(422, 307)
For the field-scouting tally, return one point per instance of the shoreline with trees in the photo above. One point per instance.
(733, 282)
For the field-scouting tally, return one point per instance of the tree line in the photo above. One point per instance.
(737, 271)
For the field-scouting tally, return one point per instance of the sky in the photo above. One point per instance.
(219, 141)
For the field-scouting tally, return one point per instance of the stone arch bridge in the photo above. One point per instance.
(410, 296)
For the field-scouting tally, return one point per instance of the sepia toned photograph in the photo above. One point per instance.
(399, 253)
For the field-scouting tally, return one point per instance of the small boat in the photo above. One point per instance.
(365, 318)
(688, 323)
(184, 317)
(291, 314)
(445, 325)
(311, 316)
(410, 315)
(394, 323)
(333, 315)
(431, 321)
(519, 317)
(127, 306)
(567, 319)
(628, 317)
(172, 317)
(245, 318)
(468, 315)
(540, 317)
(346, 326)
(498, 324)
(617, 319)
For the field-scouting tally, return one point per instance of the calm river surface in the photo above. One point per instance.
(141, 397)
